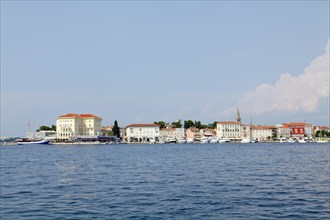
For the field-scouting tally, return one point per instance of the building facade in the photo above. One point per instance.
(141, 132)
(193, 133)
(299, 129)
(229, 129)
(74, 125)
(263, 133)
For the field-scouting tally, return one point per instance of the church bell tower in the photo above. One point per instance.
(238, 117)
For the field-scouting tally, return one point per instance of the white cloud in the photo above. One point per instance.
(292, 93)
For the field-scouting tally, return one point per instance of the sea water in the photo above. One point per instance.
(169, 181)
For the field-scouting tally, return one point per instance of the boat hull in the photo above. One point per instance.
(33, 142)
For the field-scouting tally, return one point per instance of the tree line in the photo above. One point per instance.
(46, 128)
(186, 124)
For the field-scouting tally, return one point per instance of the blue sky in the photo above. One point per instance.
(143, 61)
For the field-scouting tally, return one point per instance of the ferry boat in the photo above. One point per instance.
(25, 141)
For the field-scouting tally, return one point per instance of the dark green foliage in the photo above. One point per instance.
(177, 124)
(116, 129)
(46, 128)
(322, 133)
(161, 124)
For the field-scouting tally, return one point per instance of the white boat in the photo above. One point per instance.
(181, 141)
(224, 140)
(204, 140)
(214, 140)
(302, 141)
(190, 141)
(245, 141)
(152, 140)
(170, 140)
(283, 140)
(161, 141)
(291, 140)
(25, 141)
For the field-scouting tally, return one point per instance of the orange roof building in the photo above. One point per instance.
(72, 125)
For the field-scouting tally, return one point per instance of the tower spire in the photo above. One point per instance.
(238, 117)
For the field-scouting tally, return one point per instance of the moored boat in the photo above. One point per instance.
(182, 141)
(170, 140)
(214, 140)
(291, 140)
(25, 141)
(245, 141)
(302, 141)
(190, 141)
(204, 140)
(160, 141)
(224, 140)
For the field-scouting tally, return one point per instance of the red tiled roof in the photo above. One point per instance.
(107, 128)
(290, 124)
(322, 127)
(72, 115)
(167, 129)
(142, 125)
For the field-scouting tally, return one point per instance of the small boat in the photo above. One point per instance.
(224, 140)
(160, 141)
(182, 141)
(282, 140)
(302, 141)
(245, 141)
(291, 140)
(190, 141)
(170, 140)
(25, 141)
(152, 140)
(204, 140)
(214, 140)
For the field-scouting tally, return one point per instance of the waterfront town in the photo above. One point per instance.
(87, 128)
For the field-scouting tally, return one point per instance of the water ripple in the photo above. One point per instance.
(261, 181)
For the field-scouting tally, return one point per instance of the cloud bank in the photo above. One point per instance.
(292, 93)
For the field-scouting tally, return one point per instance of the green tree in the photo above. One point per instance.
(212, 126)
(198, 124)
(46, 128)
(116, 129)
(161, 124)
(177, 124)
(188, 124)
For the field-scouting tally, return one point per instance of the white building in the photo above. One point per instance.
(282, 132)
(141, 132)
(263, 133)
(73, 125)
(229, 129)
